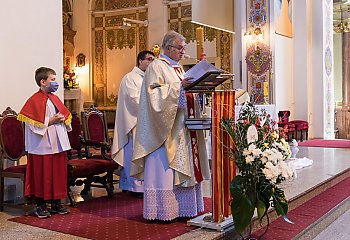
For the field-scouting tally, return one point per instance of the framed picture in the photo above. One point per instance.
(80, 60)
(284, 17)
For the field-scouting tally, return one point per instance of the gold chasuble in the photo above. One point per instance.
(162, 121)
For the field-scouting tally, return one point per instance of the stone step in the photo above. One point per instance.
(322, 223)
(303, 213)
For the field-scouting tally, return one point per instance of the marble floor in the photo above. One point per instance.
(327, 162)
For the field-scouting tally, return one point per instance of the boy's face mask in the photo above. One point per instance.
(53, 86)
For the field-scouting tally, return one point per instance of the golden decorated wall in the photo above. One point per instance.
(179, 19)
(114, 48)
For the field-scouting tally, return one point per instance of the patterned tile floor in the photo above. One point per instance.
(327, 163)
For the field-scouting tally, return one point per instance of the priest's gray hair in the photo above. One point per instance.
(170, 38)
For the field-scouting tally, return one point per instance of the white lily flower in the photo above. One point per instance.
(249, 159)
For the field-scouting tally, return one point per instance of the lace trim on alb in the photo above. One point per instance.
(167, 205)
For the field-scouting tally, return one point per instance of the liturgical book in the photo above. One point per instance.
(205, 77)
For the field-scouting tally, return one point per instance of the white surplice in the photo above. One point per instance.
(49, 139)
(163, 148)
(124, 128)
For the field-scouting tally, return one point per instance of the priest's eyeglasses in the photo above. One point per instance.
(149, 59)
(180, 48)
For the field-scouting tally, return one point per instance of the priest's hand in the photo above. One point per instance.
(186, 82)
(154, 85)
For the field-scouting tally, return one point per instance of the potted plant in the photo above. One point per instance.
(260, 150)
(69, 78)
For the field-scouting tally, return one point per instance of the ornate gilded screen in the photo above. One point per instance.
(179, 19)
(115, 47)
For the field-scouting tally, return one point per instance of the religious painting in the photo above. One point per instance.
(283, 17)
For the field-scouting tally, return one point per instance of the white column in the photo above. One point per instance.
(282, 49)
(238, 54)
(321, 82)
(301, 53)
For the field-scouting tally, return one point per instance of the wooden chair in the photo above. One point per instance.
(12, 150)
(283, 122)
(302, 127)
(91, 171)
(76, 139)
(96, 134)
(293, 127)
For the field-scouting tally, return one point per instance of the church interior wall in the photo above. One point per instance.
(317, 97)
(302, 77)
(157, 18)
(283, 81)
(98, 38)
(240, 81)
(302, 105)
(30, 37)
(301, 56)
(82, 44)
(337, 47)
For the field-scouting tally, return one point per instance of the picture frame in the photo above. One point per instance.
(284, 17)
(81, 60)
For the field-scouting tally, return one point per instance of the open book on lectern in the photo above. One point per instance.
(205, 77)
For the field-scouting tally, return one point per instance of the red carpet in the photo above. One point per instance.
(307, 213)
(337, 143)
(119, 217)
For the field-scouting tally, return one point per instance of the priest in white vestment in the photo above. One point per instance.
(125, 121)
(163, 147)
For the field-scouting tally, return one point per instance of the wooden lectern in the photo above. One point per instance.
(223, 168)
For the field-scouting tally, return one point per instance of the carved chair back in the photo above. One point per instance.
(95, 125)
(283, 116)
(12, 150)
(75, 138)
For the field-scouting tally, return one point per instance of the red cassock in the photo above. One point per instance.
(46, 174)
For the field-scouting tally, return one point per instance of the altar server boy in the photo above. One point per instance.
(47, 121)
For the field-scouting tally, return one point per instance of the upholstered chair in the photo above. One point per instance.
(91, 171)
(76, 139)
(283, 122)
(96, 133)
(12, 150)
(301, 127)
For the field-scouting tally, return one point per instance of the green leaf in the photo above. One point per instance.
(242, 205)
(261, 209)
(242, 212)
(236, 186)
(265, 194)
(228, 125)
(280, 202)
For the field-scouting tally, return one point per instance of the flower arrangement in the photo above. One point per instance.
(260, 150)
(69, 77)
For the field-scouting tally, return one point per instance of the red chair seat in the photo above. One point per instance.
(16, 169)
(291, 126)
(81, 168)
(92, 171)
(302, 126)
(109, 155)
(289, 129)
